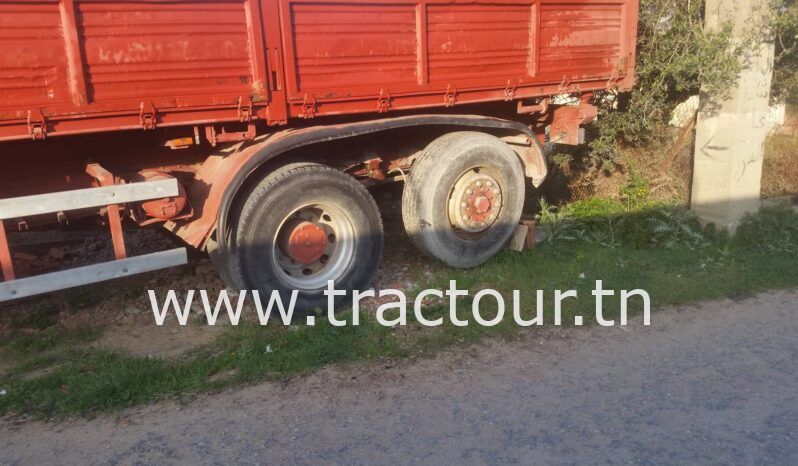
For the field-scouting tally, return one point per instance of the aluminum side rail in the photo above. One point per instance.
(111, 196)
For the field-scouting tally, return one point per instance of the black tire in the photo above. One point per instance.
(291, 194)
(431, 193)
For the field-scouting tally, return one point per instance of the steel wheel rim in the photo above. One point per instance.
(334, 261)
(475, 202)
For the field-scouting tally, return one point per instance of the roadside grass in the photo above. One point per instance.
(659, 248)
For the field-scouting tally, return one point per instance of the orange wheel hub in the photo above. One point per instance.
(475, 202)
(307, 243)
(482, 203)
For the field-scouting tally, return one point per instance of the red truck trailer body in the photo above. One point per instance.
(79, 66)
(369, 89)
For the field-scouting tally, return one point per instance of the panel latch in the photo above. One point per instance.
(309, 106)
(37, 125)
(245, 109)
(509, 91)
(384, 101)
(147, 116)
(450, 97)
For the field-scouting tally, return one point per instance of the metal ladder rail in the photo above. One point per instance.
(107, 195)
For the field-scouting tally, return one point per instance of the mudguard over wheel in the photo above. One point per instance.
(463, 198)
(303, 225)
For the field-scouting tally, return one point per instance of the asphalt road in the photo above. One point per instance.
(710, 384)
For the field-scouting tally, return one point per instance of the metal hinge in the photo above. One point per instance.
(309, 107)
(245, 109)
(613, 79)
(37, 125)
(147, 116)
(509, 91)
(384, 101)
(450, 97)
(565, 86)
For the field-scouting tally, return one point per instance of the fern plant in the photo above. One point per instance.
(613, 224)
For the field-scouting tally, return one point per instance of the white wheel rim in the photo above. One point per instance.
(475, 202)
(336, 257)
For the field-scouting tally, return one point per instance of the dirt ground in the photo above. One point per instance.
(121, 308)
(715, 383)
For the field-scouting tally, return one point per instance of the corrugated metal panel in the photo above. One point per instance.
(479, 41)
(32, 62)
(347, 44)
(143, 50)
(90, 65)
(580, 41)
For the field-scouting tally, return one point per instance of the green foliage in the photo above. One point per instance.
(773, 230)
(40, 317)
(613, 224)
(634, 221)
(635, 192)
(560, 160)
(646, 224)
(30, 344)
(784, 23)
(676, 56)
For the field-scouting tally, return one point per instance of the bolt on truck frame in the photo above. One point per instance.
(252, 128)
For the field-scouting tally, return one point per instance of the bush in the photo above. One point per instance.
(676, 57)
(610, 223)
(784, 22)
(614, 224)
(772, 229)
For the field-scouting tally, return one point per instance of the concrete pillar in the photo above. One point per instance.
(730, 135)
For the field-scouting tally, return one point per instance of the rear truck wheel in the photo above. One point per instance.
(303, 225)
(463, 198)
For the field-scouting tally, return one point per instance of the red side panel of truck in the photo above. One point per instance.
(82, 66)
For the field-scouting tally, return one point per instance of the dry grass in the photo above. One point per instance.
(780, 169)
(779, 172)
(666, 166)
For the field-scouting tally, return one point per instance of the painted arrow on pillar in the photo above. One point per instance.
(707, 147)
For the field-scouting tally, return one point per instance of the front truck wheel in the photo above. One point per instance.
(463, 198)
(303, 225)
